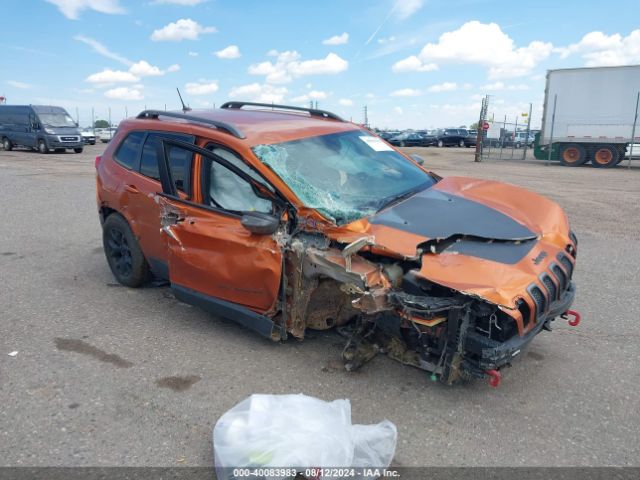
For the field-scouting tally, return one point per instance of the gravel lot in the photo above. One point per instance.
(107, 375)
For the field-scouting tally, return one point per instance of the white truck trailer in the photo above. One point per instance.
(595, 111)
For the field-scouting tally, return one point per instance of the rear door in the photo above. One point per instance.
(211, 256)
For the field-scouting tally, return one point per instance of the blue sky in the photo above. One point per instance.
(414, 63)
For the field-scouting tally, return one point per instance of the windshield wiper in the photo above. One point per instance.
(398, 198)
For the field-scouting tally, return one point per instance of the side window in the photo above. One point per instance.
(179, 159)
(129, 150)
(222, 188)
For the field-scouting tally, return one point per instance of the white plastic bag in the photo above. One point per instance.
(298, 431)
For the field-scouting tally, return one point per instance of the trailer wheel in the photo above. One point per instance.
(572, 155)
(605, 156)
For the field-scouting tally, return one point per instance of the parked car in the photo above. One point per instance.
(409, 139)
(449, 137)
(88, 136)
(285, 222)
(386, 135)
(41, 127)
(471, 139)
(522, 139)
(107, 134)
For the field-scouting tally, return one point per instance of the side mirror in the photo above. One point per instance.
(259, 223)
(418, 159)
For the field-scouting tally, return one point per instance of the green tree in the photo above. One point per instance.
(473, 126)
(101, 124)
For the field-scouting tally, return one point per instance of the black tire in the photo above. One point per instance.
(461, 143)
(605, 156)
(572, 155)
(42, 147)
(7, 145)
(92, 143)
(518, 145)
(440, 144)
(78, 150)
(124, 256)
(402, 144)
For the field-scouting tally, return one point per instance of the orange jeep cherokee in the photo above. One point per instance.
(284, 218)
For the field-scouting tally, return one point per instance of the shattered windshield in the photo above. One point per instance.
(345, 176)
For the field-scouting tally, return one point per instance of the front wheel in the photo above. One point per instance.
(123, 252)
(461, 143)
(572, 155)
(42, 146)
(6, 144)
(440, 143)
(77, 150)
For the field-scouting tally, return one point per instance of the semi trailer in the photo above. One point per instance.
(589, 115)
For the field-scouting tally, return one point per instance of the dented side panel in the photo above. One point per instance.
(213, 254)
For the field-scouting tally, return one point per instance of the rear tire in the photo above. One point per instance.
(605, 156)
(77, 150)
(461, 143)
(440, 144)
(572, 155)
(7, 145)
(124, 255)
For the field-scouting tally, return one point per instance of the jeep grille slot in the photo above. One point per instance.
(560, 276)
(552, 290)
(539, 299)
(566, 263)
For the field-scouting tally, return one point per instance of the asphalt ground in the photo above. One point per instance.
(111, 376)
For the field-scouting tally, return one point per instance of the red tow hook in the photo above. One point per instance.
(494, 378)
(576, 317)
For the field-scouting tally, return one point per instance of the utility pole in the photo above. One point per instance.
(93, 122)
(126, 112)
(77, 116)
(480, 134)
(366, 117)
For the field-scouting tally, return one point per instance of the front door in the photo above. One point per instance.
(209, 251)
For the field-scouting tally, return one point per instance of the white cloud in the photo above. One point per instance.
(405, 8)
(173, 68)
(124, 93)
(185, 3)
(72, 8)
(337, 39)
(108, 76)
(201, 88)
(20, 85)
(193, 54)
(497, 86)
(230, 52)
(145, 69)
(599, 49)
(346, 102)
(397, 110)
(406, 92)
(259, 93)
(386, 40)
(100, 49)
(498, 51)
(413, 64)
(288, 66)
(312, 95)
(443, 87)
(183, 29)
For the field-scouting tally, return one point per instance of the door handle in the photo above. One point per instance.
(131, 189)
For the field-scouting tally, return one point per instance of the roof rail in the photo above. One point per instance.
(154, 114)
(314, 112)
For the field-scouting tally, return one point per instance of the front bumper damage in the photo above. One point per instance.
(383, 305)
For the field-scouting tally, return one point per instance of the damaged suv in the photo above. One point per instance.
(284, 218)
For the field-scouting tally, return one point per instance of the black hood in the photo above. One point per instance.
(435, 214)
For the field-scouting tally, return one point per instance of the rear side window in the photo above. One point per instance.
(129, 150)
(179, 159)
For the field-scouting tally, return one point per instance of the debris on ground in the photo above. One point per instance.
(275, 431)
